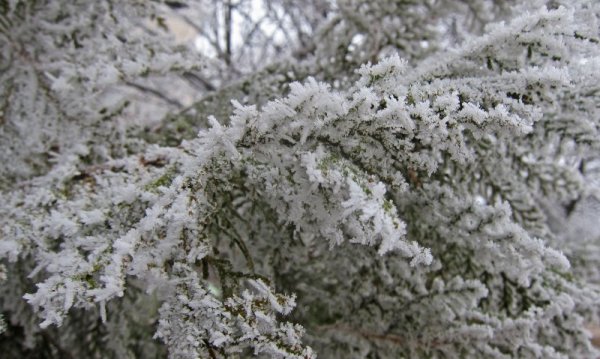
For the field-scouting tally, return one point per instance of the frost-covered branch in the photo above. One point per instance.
(399, 212)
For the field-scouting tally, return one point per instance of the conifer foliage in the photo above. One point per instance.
(386, 189)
